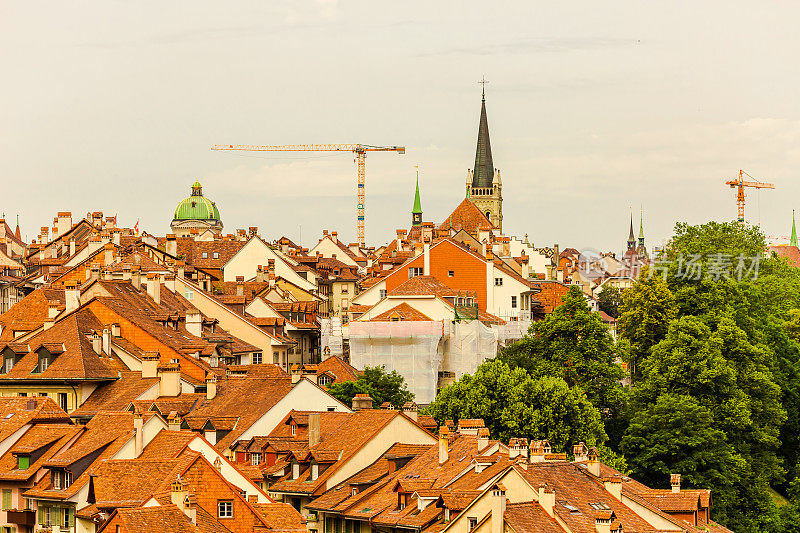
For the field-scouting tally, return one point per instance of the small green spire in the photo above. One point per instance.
(641, 224)
(416, 211)
(793, 239)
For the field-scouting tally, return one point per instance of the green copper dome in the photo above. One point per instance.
(196, 206)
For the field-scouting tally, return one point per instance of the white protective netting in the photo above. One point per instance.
(413, 348)
(331, 337)
(511, 331)
(470, 344)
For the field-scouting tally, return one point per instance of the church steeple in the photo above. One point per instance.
(631, 237)
(641, 229)
(793, 239)
(416, 211)
(483, 173)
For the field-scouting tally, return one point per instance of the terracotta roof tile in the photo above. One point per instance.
(467, 217)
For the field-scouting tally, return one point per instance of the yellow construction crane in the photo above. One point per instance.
(741, 184)
(361, 156)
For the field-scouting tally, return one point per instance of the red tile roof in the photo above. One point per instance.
(467, 217)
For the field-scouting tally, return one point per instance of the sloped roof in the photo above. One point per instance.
(30, 312)
(402, 312)
(155, 519)
(468, 217)
(18, 412)
(340, 369)
(115, 395)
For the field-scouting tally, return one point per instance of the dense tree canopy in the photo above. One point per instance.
(713, 333)
(382, 386)
(609, 300)
(515, 404)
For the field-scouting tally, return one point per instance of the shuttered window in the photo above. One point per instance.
(6, 499)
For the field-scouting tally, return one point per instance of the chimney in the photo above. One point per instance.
(253, 230)
(150, 364)
(313, 429)
(52, 309)
(169, 282)
(498, 503)
(444, 443)
(518, 448)
(46, 325)
(154, 287)
(97, 343)
(116, 330)
(297, 374)
(172, 245)
(72, 246)
(181, 266)
(675, 481)
(483, 438)
(107, 340)
(602, 521)
(580, 451)
(614, 486)
(362, 401)
(126, 272)
(334, 236)
(426, 261)
(174, 421)
(239, 285)
(547, 498)
(178, 492)
(411, 410)
(138, 434)
(194, 322)
(136, 277)
(211, 387)
(593, 462)
(116, 237)
(169, 379)
(261, 276)
(94, 272)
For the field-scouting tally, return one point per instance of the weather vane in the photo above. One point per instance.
(483, 82)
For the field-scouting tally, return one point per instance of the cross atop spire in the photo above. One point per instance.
(793, 239)
(483, 82)
(483, 173)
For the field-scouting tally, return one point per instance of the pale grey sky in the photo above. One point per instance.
(593, 107)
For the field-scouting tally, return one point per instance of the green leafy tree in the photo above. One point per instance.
(647, 309)
(513, 403)
(609, 300)
(572, 343)
(381, 385)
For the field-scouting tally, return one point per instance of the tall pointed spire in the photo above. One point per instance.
(483, 173)
(17, 232)
(793, 239)
(641, 225)
(631, 236)
(416, 211)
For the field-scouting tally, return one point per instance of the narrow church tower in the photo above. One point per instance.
(484, 188)
(631, 238)
(793, 238)
(641, 249)
(416, 211)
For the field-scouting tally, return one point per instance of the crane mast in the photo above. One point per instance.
(360, 151)
(740, 184)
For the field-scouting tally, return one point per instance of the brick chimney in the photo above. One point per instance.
(483, 438)
(154, 287)
(138, 434)
(362, 401)
(97, 343)
(211, 387)
(547, 498)
(150, 364)
(239, 285)
(313, 429)
(498, 504)
(675, 481)
(194, 322)
(614, 486)
(444, 444)
(169, 379)
(172, 245)
(593, 462)
(580, 451)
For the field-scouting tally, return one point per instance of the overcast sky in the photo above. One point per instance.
(593, 107)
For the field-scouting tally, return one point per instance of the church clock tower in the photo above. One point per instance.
(484, 188)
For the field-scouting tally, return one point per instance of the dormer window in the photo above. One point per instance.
(44, 362)
(215, 255)
(205, 255)
(314, 471)
(23, 462)
(62, 479)
(8, 364)
(255, 459)
(402, 500)
(294, 429)
(295, 470)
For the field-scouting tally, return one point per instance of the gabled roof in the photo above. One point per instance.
(428, 286)
(40, 442)
(468, 217)
(155, 519)
(401, 312)
(18, 412)
(68, 340)
(339, 368)
(29, 313)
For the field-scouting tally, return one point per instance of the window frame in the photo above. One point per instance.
(227, 505)
(498, 282)
(513, 302)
